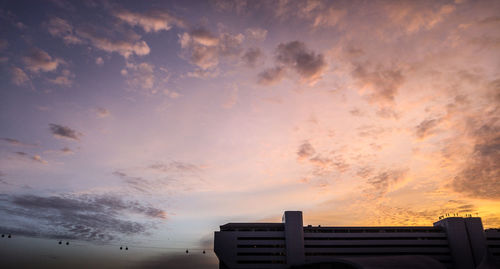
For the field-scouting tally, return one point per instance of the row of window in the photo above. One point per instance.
(259, 238)
(261, 262)
(376, 246)
(371, 230)
(260, 254)
(376, 238)
(373, 253)
(261, 246)
(252, 229)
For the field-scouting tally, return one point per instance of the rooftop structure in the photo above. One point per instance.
(454, 242)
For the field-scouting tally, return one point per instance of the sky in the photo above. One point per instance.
(150, 123)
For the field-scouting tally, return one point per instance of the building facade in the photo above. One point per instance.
(454, 242)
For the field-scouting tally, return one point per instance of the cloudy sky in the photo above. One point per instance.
(151, 123)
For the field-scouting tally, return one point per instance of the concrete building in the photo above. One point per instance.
(454, 242)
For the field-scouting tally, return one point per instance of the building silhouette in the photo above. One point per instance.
(453, 242)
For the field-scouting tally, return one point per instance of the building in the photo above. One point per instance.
(453, 242)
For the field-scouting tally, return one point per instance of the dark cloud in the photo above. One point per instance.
(137, 183)
(381, 84)
(494, 91)
(371, 131)
(321, 165)
(271, 76)
(426, 128)
(364, 172)
(251, 56)
(356, 112)
(15, 142)
(3, 44)
(297, 56)
(387, 113)
(305, 150)
(167, 176)
(2, 178)
(480, 178)
(61, 131)
(490, 20)
(325, 165)
(176, 166)
(83, 217)
(230, 45)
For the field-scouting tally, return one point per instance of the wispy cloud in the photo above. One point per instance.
(204, 49)
(36, 158)
(40, 61)
(140, 76)
(415, 16)
(63, 29)
(152, 21)
(256, 34)
(426, 128)
(18, 76)
(102, 112)
(121, 42)
(125, 47)
(164, 177)
(16, 142)
(65, 78)
(383, 181)
(176, 166)
(380, 85)
(322, 164)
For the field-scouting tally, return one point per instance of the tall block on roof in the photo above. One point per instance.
(294, 237)
(458, 241)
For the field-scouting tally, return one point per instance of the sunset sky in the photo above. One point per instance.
(151, 123)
